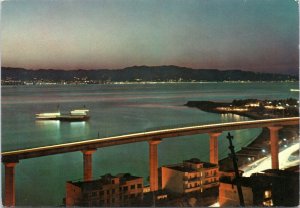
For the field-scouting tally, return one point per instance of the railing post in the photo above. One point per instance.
(10, 192)
(153, 164)
(213, 147)
(274, 145)
(87, 164)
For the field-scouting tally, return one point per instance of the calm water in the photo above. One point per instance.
(115, 110)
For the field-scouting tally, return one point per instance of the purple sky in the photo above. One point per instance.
(257, 35)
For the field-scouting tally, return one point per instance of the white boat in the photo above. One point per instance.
(74, 115)
(47, 115)
(79, 112)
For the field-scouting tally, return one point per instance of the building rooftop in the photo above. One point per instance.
(104, 180)
(209, 165)
(89, 185)
(108, 176)
(180, 167)
(185, 168)
(263, 178)
(276, 173)
(126, 177)
(194, 160)
(197, 161)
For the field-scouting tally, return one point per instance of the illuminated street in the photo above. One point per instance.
(265, 163)
(285, 161)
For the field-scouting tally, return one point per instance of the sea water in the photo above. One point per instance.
(115, 109)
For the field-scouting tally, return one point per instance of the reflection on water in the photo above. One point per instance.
(47, 124)
(79, 129)
(50, 127)
(78, 124)
(56, 129)
(225, 117)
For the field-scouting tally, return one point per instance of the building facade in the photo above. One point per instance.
(228, 193)
(189, 176)
(119, 190)
(268, 188)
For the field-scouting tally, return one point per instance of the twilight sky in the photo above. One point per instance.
(257, 35)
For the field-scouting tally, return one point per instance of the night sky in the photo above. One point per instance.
(257, 35)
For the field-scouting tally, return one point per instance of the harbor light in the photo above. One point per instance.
(274, 107)
(252, 105)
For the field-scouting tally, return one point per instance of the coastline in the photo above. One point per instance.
(259, 147)
(5, 83)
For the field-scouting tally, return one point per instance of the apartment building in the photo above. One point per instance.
(120, 190)
(270, 187)
(189, 176)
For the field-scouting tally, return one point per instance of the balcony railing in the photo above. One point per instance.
(190, 189)
(191, 179)
(211, 183)
(211, 176)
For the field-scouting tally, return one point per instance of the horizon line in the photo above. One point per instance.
(184, 67)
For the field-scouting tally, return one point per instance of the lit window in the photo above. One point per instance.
(268, 203)
(267, 198)
(268, 194)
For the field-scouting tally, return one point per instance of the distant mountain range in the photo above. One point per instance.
(141, 74)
